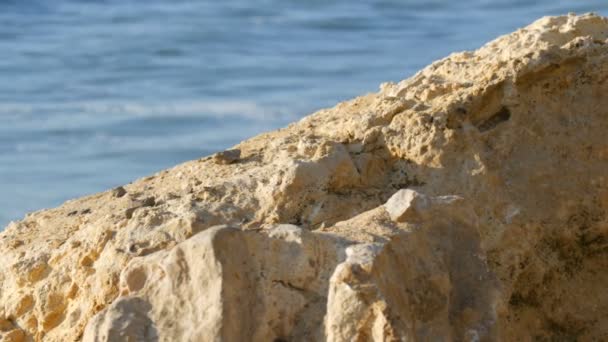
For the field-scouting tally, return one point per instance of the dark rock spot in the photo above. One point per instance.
(504, 114)
(129, 212)
(119, 192)
(227, 157)
(149, 202)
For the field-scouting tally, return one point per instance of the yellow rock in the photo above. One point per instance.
(290, 238)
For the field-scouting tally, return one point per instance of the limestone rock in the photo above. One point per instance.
(224, 284)
(468, 202)
(428, 283)
(406, 205)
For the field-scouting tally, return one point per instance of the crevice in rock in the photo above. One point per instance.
(503, 115)
(289, 286)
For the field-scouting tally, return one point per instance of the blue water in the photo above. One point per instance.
(94, 94)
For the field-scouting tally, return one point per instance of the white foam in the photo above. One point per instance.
(76, 114)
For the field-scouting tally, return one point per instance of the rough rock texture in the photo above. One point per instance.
(497, 230)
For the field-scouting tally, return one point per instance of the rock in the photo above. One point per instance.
(253, 286)
(406, 205)
(119, 192)
(227, 157)
(432, 283)
(146, 202)
(468, 202)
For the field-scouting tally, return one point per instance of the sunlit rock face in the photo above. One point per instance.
(467, 203)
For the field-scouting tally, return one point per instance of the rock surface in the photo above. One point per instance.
(467, 203)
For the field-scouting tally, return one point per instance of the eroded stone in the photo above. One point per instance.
(504, 238)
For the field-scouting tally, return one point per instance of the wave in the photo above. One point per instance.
(52, 117)
(86, 129)
(217, 109)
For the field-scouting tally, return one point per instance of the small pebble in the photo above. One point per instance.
(147, 202)
(119, 192)
(227, 157)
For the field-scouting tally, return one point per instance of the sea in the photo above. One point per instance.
(95, 94)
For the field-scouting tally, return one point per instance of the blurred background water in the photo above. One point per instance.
(94, 94)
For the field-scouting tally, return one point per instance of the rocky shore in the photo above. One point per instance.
(466, 203)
